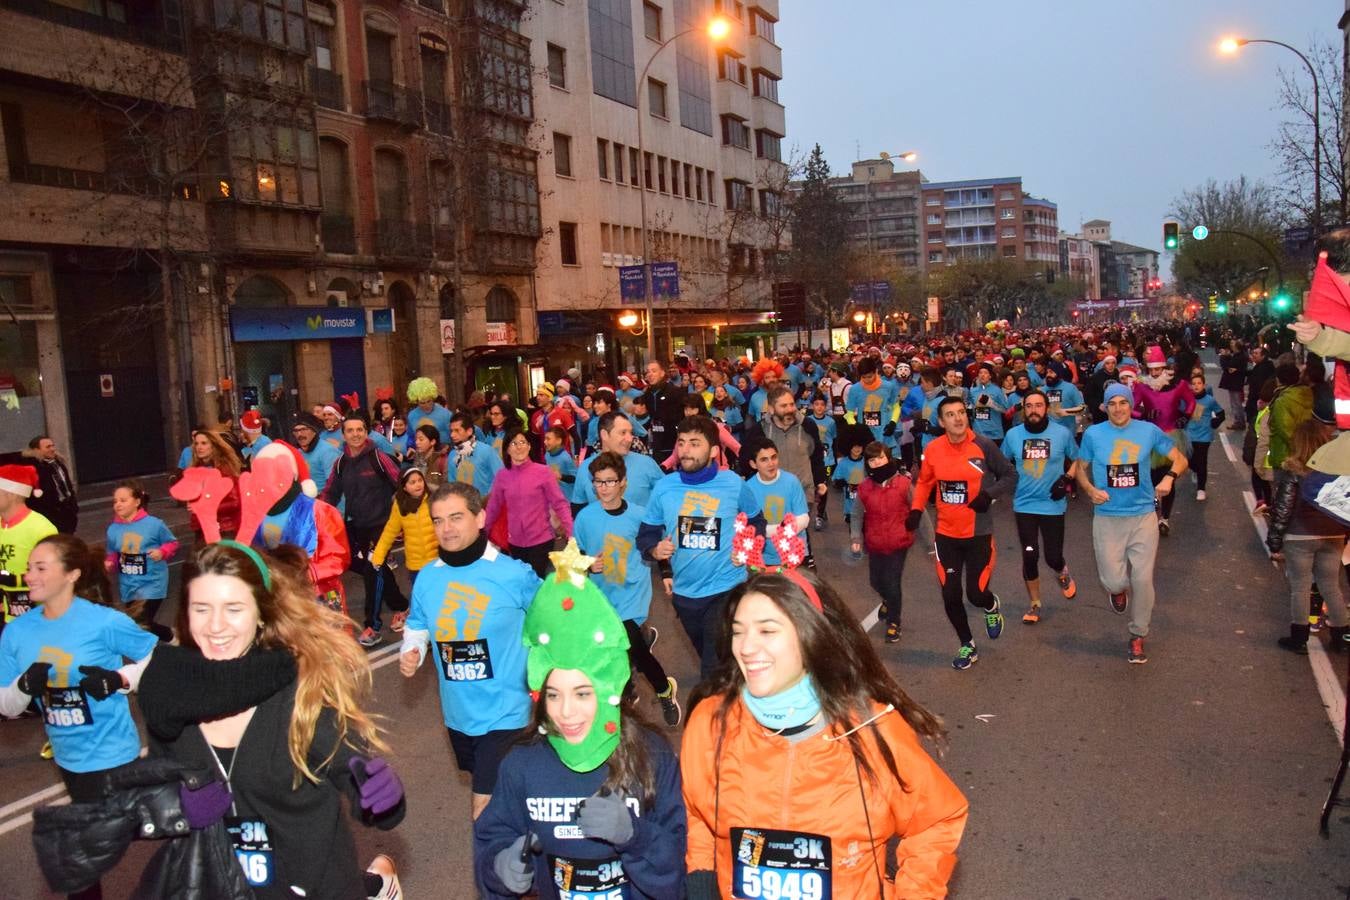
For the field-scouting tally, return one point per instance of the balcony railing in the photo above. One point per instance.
(393, 103)
(398, 239)
(438, 117)
(339, 234)
(327, 87)
(157, 35)
(435, 5)
(85, 180)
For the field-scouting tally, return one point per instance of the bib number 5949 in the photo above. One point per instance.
(779, 884)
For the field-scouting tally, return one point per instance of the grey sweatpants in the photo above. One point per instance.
(1126, 547)
(1320, 560)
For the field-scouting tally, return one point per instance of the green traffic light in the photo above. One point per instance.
(1281, 301)
(1221, 309)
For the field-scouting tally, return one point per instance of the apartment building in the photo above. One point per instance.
(257, 203)
(698, 142)
(884, 205)
(1078, 263)
(989, 218)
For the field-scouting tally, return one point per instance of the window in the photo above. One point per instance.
(1007, 213)
(735, 133)
(691, 66)
(689, 181)
(761, 25)
(647, 180)
(557, 66)
(738, 195)
(651, 20)
(768, 145)
(612, 71)
(333, 168)
(1005, 195)
(323, 46)
(501, 305)
(934, 219)
(935, 256)
(766, 85)
(661, 174)
(633, 166)
(1010, 250)
(618, 163)
(712, 198)
(733, 8)
(567, 242)
(932, 201)
(698, 182)
(1010, 232)
(934, 237)
(602, 158)
(391, 185)
(730, 67)
(562, 154)
(434, 81)
(770, 204)
(279, 22)
(656, 98)
(274, 160)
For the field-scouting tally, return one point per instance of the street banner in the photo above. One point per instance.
(632, 283)
(666, 280)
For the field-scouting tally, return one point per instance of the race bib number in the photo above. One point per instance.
(872, 419)
(589, 879)
(700, 532)
(465, 660)
(1123, 476)
(953, 492)
(656, 427)
(133, 564)
(253, 849)
(17, 603)
(983, 414)
(1035, 449)
(66, 707)
(851, 492)
(1054, 397)
(779, 865)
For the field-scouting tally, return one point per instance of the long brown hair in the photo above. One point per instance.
(223, 457)
(334, 670)
(74, 553)
(630, 765)
(849, 676)
(1304, 442)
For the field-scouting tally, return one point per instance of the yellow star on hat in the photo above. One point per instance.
(571, 563)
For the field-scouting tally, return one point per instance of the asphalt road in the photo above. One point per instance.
(1200, 774)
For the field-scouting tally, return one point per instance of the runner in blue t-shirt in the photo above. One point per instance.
(1066, 401)
(1040, 449)
(690, 520)
(779, 497)
(1207, 416)
(987, 404)
(139, 547)
(1115, 455)
(828, 429)
(470, 606)
(616, 436)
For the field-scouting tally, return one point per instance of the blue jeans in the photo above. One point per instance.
(701, 617)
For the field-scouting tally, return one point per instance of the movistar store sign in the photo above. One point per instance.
(297, 323)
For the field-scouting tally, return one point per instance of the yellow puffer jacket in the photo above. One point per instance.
(419, 538)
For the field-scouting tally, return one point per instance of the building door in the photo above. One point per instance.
(265, 373)
(349, 368)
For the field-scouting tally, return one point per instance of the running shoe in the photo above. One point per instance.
(892, 633)
(1032, 615)
(46, 751)
(1200, 495)
(398, 620)
(1137, 654)
(965, 657)
(993, 621)
(670, 705)
(1164, 529)
(1067, 586)
(882, 610)
(369, 638)
(390, 889)
(1120, 602)
(820, 523)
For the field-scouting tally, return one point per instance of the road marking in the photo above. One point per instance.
(1228, 450)
(32, 799)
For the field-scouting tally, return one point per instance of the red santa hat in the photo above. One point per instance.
(21, 480)
(283, 450)
(251, 422)
(1329, 304)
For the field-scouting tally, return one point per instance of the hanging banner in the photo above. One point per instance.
(447, 336)
(666, 280)
(632, 283)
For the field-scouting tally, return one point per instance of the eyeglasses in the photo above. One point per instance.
(604, 482)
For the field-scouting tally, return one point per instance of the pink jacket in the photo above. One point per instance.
(1169, 409)
(527, 492)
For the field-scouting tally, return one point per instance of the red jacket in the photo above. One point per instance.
(332, 555)
(884, 509)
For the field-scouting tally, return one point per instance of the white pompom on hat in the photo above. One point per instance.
(21, 480)
(283, 450)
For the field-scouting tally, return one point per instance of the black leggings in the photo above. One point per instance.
(884, 573)
(1199, 462)
(379, 586)
(975, 555)
(1051, 530)
(641, 658)
(1165, 505)
(535, 557)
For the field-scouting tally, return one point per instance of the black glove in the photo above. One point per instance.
(913, 519)
(1217, 419)
(889, 429)
(34, 679)
(919, 427)
(981, 502)
(100, 683)
(1060, 489)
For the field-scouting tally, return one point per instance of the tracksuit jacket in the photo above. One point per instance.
(955, 474)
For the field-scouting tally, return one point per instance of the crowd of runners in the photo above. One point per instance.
(515, 546)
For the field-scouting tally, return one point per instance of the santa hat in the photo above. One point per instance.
(1153, 357)
(1329, 304)
(283, 450)
(21, 480)
(251, 422)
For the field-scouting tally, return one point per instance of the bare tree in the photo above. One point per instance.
(1244, 241)
(1293, 143)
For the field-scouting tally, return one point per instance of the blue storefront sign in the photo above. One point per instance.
(868, 292)
(632, 283)
(381, 321)
(298, 323)
(666, 280)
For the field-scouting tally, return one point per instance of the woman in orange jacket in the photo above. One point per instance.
(806, 760)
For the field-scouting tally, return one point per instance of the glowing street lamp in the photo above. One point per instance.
(627, 319)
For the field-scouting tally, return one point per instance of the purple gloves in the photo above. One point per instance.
(206, 805)
(380, 787)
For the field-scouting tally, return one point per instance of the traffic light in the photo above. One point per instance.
(1280, 302)
(1221, 308)
(1170, 235)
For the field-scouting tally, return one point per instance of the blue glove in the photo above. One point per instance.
(206, 805)
(380, 787)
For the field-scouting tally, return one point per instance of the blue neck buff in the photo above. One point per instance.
(702, 476)
(791, 708)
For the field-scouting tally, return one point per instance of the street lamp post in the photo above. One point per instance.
(717, 29)
(1231, 46)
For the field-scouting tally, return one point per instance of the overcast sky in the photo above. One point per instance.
(1108, 109)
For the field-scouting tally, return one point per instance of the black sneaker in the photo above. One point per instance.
(820, 523)
(1136, 653)
(882, 610)
(670, 704)
(1120, 602)
(1164, 528)
(892, 633)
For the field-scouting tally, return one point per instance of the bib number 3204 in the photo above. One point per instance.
(779, 865)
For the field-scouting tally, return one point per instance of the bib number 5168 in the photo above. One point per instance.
(777, 884)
